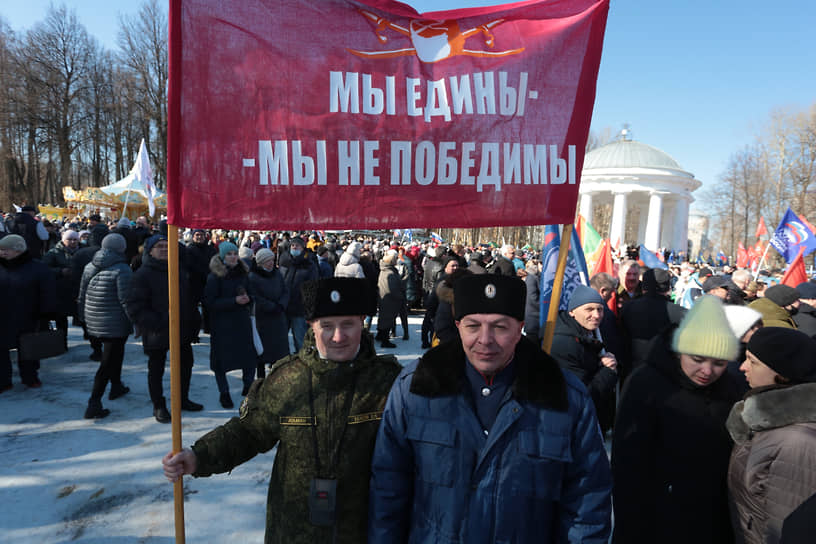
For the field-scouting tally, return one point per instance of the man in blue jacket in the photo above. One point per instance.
(485, 439)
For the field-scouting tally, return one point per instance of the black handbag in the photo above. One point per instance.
(33, 346)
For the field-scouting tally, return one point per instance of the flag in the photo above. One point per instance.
(409, 234)
(144, 174)
(396, 116)
(721, 258)
(397, 233)
(574, 274)
(807, 223)
(576, 259)
(436, 238)
(796, 273)
(601, 259)
(792, 235)
(650, 260)
(17, 208)
(761, 230)
(589, 237)
(742, 257)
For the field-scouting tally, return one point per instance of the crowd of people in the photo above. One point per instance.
(703, 379)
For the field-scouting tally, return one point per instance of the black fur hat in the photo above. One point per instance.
(489, 294)
(338, 296)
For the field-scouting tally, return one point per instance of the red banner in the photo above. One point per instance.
(340, 114)
(761, 229)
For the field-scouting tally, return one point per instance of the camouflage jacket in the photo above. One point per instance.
(276, 410)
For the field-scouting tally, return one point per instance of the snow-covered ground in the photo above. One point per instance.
(68, 479)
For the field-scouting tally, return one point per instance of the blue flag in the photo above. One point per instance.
(792, 235)
(574, 275)
(650, 260)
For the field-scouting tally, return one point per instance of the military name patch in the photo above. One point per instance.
(362, 418)
(297, 421)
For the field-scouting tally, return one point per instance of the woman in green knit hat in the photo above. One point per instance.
(670, 447)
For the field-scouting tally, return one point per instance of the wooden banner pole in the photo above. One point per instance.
(175, 369)
(561, 267)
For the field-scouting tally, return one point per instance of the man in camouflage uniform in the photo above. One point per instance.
(323, 405)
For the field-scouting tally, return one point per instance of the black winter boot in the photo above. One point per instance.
(118, 390)
(95, 410)
(226, 401)
(160, 411)
(191, 406)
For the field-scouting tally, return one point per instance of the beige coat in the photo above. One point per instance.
(773, 464)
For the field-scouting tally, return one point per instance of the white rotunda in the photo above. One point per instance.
(648, 192)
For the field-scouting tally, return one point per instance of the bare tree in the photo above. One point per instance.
(143, 40)
(59, 56)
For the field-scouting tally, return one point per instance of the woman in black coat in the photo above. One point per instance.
(227, 298)
(670, 447)
(147, 307)
(270, 295)
(28, 295)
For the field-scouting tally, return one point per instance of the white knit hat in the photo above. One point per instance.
(741, 318)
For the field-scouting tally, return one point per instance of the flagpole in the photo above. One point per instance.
(762, 260)
(175, 369)
(174, 78)
(558, 282)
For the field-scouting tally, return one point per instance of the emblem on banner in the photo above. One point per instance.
(433, 40)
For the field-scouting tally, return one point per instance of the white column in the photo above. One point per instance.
(680, 234)
(653, 221)
(617, 228)
(667, 225)
(585, 207)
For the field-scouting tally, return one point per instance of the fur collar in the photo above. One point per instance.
(218, 267)
(772, 408)
(441, 372)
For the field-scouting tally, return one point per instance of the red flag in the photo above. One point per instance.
(762, 230)
(742, 256)
(394, 115)
(796, 273)
(604, 262)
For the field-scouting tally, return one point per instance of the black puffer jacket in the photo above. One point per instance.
(271, 298)
(102, 295)
(147, 305)
(670, 453)
(28, 293)
(231, 345)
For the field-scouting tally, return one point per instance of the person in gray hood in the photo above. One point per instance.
(102, 295)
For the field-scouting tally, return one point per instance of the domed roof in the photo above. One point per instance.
(628, 154)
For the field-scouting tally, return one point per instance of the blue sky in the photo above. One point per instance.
(697, 79)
